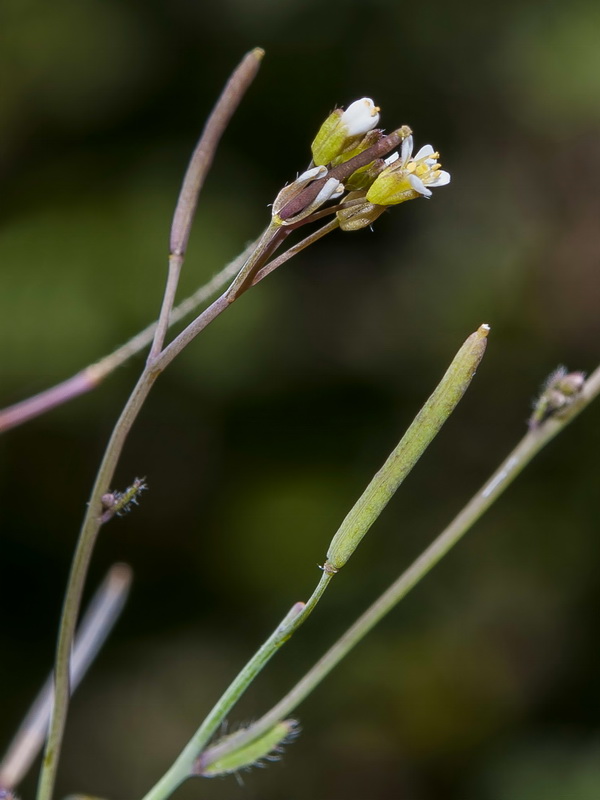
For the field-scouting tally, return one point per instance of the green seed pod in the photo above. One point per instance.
(423, 429)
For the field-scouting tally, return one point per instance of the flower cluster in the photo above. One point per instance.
(357, 165)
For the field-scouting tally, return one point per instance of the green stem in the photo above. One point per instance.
(368, 507)
(511, 467)
(83, 553)
(185, 764)
(180, 231)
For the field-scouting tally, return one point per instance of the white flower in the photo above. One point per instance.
(407, 177)
(360, 116)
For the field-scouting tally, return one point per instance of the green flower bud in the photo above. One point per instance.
(343, 129)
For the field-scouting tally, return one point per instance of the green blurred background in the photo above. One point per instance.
(483, 685)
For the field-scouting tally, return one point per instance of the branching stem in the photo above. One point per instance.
(511, 467)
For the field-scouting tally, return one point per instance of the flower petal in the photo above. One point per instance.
(442, 179)
(406, 150)
(425, 151)
(418, 185)
(360, 116)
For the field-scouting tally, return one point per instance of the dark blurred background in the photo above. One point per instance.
(483, 684)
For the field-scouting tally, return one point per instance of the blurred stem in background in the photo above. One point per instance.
(96, 624)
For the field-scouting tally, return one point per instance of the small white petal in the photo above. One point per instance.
(360, 116)
(314, 172)
(418, 185)
(406, 151)
(443, 179)
(390, 159)
(329, 190)
(426, 150)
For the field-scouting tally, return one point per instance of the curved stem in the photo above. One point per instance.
(195, 175)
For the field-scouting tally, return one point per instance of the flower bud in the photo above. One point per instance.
(286, 214)
(342, 129)
(559, 392)
(295, 188)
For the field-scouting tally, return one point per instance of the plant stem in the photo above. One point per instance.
(85, 546)
(294, 250)
(92, 521)
(195, 175)
(185, 764)
(368, 507)
(511, 467)
(96, 624)
(93, 375)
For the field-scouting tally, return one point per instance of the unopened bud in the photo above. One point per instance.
(559, 392)
(293, 189)
(342, 129)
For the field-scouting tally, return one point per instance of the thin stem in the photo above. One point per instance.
(185, 764)
(271, 239)
(85, 546)
(89, 532)
(198, 168)
(379, 491)
(294, 250)
(511, 467)
(96, 624)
